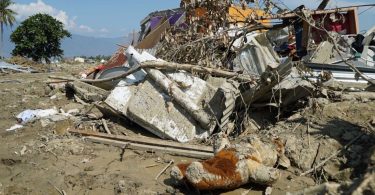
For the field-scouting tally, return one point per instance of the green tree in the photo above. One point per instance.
(39, 37)
(6, 18)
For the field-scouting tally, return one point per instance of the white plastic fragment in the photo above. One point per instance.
(14, 127)
(31, 115)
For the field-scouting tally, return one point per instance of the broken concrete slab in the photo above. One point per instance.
(147, 105)
(151, 107)
(205, 119)
(119, 97)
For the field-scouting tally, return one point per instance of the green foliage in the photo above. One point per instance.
(6, 14)
(39, 37)
(6, 17)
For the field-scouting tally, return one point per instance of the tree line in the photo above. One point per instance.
(38, 37)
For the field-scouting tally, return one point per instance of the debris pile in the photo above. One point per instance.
(198, 73)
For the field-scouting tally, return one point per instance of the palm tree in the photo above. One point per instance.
(7, 18)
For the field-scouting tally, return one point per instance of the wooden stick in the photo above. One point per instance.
(323, 5)
(153, 148)
(62, 78)
(308, 131)
(106, 126)
(146, 140)
(299, 124)
(56, 81)
(79, 100)
(333, 155)
(165, 168)
(62, 192)
(154, 165)
(123, 46)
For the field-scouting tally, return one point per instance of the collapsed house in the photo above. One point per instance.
(194, 70)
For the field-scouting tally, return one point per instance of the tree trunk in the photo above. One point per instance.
(2, 38)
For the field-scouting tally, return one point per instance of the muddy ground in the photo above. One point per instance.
(39, 159)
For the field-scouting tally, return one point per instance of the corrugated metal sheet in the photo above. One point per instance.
(18, 68)
(255, 55)
(231, 92)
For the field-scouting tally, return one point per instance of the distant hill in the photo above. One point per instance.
(77, 45)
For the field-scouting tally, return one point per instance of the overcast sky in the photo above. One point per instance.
(115, 18)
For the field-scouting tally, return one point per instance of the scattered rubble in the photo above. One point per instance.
(257, 96)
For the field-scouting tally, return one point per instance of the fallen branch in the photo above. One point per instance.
(333, 155)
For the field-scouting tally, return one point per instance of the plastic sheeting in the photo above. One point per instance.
(18, 68)
(31, 115)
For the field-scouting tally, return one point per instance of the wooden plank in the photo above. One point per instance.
(139, 146)
(88, 92)
(352, 18)
(146, 140)
(154, 36)
(305, 35)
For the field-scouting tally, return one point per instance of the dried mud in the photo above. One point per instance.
(39, 160)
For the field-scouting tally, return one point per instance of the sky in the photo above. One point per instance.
(116, 18)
